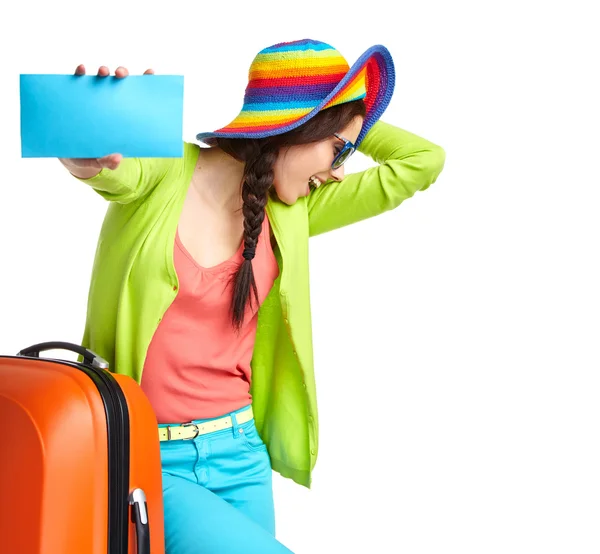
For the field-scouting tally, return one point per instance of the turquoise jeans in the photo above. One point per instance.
(218, 493)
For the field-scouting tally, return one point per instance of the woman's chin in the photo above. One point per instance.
(289, 200)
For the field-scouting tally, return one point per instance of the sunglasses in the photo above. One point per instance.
(347, 151)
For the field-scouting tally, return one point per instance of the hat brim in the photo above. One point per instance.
(379, 84)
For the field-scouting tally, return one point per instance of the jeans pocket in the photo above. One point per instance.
(251, 438)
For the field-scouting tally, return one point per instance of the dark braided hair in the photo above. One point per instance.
(258, 179)
(259, 157)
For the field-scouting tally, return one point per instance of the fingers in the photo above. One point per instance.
(103, 71)
(111, 161)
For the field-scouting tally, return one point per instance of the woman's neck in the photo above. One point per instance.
(218, 179)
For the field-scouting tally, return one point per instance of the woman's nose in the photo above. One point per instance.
(337, 174)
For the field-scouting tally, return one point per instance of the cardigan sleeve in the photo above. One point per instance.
(407, 163)
(134, 178)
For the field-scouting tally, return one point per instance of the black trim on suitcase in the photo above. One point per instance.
(117, 426)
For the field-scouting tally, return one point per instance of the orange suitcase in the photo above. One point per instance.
(80, 469)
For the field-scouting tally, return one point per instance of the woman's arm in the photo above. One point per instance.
(407, 163)
(131, 180)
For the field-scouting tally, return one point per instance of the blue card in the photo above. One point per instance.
(86, 116)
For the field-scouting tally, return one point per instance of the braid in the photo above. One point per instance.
(258, 179)
(259, 156)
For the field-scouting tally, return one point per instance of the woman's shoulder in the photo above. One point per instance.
(186, 164)
(190, 148)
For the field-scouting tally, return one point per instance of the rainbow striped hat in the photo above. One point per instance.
(290, 82)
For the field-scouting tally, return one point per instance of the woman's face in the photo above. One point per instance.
(297, 165)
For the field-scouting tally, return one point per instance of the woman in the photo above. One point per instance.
(200, 287)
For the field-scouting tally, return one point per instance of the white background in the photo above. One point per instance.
(456, 338)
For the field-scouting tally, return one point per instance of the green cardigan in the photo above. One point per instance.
(134, 280)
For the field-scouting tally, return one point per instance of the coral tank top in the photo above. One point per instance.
(197, 365)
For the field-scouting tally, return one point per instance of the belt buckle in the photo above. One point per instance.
(191, 424)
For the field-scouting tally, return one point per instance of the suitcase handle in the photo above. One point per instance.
(139, 515)
(89, 357)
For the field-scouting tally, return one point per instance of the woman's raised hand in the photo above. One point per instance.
(88, 167)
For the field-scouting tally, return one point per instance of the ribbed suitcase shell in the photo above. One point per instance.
(54, 461)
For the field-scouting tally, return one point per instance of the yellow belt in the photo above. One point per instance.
(188, 431)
